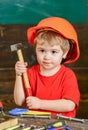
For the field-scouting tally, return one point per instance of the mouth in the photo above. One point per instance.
(46, 63)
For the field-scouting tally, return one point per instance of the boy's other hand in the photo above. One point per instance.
(33, 102)
(20, 68)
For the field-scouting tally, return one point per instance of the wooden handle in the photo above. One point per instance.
(25, 77)
(28, 92)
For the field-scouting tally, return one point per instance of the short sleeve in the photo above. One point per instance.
(70, 87)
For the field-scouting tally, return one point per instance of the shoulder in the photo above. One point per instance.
(32, 72)
(67, 71)
(33, 69)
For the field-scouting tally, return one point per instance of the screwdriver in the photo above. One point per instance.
(70, 118)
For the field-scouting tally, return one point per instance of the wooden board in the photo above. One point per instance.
(6, 122)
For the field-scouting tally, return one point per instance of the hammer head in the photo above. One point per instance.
(16, 47)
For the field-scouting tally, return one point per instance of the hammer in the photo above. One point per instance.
(17, 47)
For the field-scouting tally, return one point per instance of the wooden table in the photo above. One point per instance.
(41, 122)
(9, 104)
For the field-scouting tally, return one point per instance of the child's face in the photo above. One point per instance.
(49, 57)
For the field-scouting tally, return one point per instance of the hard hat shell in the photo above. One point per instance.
(62, 27)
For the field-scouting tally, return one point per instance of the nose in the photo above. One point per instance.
(47, 55)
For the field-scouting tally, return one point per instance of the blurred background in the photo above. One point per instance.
(16, 16)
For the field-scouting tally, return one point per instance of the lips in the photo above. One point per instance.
(47, 63)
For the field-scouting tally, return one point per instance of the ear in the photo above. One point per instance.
(65, 55)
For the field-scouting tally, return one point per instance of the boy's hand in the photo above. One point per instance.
(33, 102)
(20, 68)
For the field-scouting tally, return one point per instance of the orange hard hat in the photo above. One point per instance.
(62, 27)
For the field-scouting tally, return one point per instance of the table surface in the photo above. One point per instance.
(41, 122)
(9, 104)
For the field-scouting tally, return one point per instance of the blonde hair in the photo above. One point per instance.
(53, 38)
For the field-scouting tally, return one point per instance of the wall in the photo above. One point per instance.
(32, 11)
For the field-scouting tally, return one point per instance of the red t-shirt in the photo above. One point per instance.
(62, 85)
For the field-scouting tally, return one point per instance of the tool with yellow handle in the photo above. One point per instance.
(16, 47)
(58, 125)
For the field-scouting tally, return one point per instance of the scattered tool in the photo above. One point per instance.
(36, 116)
(17, 47)
(58, 125)
(35, 112)
(1, 109)
(17, 111)
(13, 127)
(41, 128)
(70, 118)
(28, 128)
(16, 126)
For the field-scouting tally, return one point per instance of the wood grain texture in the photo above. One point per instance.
(7, 122)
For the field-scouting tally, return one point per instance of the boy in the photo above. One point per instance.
(54, 87)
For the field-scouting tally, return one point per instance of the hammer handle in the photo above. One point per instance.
(25, 77)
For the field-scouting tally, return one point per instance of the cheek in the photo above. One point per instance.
(39, 57)
(58, 59)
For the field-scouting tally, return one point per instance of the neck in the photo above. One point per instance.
(49, 72)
